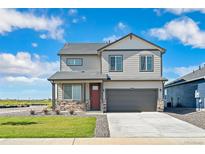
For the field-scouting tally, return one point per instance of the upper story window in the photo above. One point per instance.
(74, 61)
(146, 63)
(116, 63)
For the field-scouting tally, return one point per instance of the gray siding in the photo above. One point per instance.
(131, 64)
(59, 91)
(201, 89)
(131, 43)
(90, 63)
(183, 94)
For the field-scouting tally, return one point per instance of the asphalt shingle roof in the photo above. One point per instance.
(63, 75)
(80, 48)
(195, 75)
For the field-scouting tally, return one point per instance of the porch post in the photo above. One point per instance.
(53, 96)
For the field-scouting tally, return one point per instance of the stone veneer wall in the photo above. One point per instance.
(71, 105)
(160, 105)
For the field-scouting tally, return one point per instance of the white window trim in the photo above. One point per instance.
(72, 93)
(121, 56)
(74, 61)
(146, 70)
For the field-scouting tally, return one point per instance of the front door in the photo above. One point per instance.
(95, 96)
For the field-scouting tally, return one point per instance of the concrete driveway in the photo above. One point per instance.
(150, 124)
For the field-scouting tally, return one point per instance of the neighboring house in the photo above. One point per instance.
(187, 91)
(125, 75)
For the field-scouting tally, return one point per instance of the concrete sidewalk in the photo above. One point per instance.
(104, 141)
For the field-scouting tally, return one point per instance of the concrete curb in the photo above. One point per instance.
(103, 141)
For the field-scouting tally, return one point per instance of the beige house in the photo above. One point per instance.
(122, 76)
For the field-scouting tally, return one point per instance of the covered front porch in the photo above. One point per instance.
(79, 87)
(89, 92)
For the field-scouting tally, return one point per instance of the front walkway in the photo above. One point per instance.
(150, 124)
(103, 141)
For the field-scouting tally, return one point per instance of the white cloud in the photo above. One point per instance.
(27, 65)
(34, 44)
(43, 36)
(179, 11)
(182, 70)
(184, 29)
(157, 11)
(72, 12)
(121, 26)
(12, 19)
(185, 70)
(23, 79)
(110, 38)
(78, 19)
(83, 18)
(75, 20)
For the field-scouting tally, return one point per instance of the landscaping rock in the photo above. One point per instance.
(189, 115)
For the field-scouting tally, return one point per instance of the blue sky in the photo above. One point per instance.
(31, 38)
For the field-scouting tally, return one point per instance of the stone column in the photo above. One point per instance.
(160, 105)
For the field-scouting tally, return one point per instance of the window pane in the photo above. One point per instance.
(67, 91)
(112, 63)
(74, 61)
(119, 63)
(149, 63)
(78, 61)
(76, 92)
(70, 62)
(143, 65)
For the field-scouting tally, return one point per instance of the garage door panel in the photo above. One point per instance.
(127, 100)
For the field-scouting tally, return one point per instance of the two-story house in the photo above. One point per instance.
(124, 76)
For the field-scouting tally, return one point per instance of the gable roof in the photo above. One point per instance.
(80, 48)
(131, 34)
(193, 76)
(94, 48)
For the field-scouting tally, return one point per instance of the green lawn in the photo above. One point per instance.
(47, 127)
(24, 102)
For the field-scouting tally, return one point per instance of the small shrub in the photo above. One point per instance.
(45, 111)
(32, 112)
(71, 112)
(57, 111)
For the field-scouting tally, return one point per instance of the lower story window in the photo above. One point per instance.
(72, 91)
